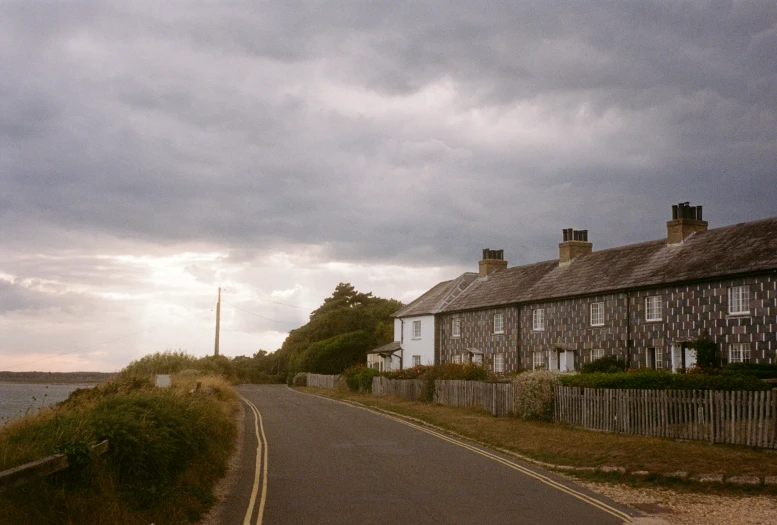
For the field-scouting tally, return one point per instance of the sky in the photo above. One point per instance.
(152, 152)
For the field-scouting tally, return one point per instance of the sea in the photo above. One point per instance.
(18, 399)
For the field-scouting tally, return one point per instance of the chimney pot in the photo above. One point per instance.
(686, 220)
(574, 245)
(493, 261)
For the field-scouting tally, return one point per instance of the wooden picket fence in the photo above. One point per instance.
(497, 398)
(410, 389)
(323, 381)
(739, 418)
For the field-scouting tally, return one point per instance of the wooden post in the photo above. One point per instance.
(218, 322)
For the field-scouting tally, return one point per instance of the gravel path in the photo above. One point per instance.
(684, 508)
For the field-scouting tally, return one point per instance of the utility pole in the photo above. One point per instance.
(218, 322)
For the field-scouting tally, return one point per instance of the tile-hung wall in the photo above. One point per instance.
(568, 326)
(687, 311)
(477, 331)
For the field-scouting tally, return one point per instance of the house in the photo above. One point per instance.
(415, 329)
(641, 303)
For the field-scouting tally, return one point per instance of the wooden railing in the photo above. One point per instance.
(43, 467)
(739, 418)
(497, 398)
(410, 389)
(323, 381)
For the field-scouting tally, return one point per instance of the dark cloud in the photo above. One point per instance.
(414, 132)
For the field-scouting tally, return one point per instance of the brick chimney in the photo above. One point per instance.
(493, 261)
(575, 245)
(686, 220)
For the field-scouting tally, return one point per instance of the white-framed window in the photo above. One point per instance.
(456, 327)
(457, 359)
(540, 361)
(597, 353)
(416, 329)
(739, 353)
(499, 363)
(739, 300)
(416, 360)
(538, 319)
(659, 355)
(499, 323)
(597, 314)
(653, 308)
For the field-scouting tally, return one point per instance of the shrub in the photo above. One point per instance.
(662, 380)
(534, 397)
(300, 379)
(706, 352)
(358, 378)
(605, 365)
(759, 370)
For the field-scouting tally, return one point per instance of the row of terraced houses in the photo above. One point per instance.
(642, 303)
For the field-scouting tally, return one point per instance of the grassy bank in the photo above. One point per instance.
(566, 445)
(168, 447)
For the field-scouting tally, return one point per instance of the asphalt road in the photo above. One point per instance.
(319, 461)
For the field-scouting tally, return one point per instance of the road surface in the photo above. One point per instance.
(306, 459)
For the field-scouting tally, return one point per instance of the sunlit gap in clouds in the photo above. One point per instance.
(111, 309)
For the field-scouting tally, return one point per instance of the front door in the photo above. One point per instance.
(682, 356)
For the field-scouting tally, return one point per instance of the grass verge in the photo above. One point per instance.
(168, 447)
(565, 445)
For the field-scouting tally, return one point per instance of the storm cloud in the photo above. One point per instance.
(303, 143)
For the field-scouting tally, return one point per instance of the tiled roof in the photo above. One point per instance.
(438, 297)
(716, 253)
(389, 348)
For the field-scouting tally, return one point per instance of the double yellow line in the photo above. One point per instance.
(260, 472)
(515, 466)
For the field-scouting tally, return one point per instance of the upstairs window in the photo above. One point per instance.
(416, 329)
(597, 314)
(653, 308)
(456, 327)
(499, 323)
(739, 353)
(538, 319)
(739, 300)
(499, 363)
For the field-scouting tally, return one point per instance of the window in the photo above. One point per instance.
(416, 329)
(597, 353)
(457, 359)
(538, 319)
(456, 327)
(739, 353)
(499, 363)
(654, 358)
(739, 300)
(653, 308)
(597, 314)
(416, 360)
(477, 359)
(499, 323)
(540, 361)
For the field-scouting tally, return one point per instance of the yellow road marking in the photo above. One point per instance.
(542, 478)
(260, 470)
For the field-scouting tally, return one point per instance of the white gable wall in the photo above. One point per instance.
(423, 346)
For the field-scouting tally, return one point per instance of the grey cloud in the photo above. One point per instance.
(191, 123)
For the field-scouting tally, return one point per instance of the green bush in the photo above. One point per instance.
(759, 370)
(358, 378)
(300, 379)
(706, 353)
(662, 380)
(534, 397)
(604, 365)
(166, 450)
